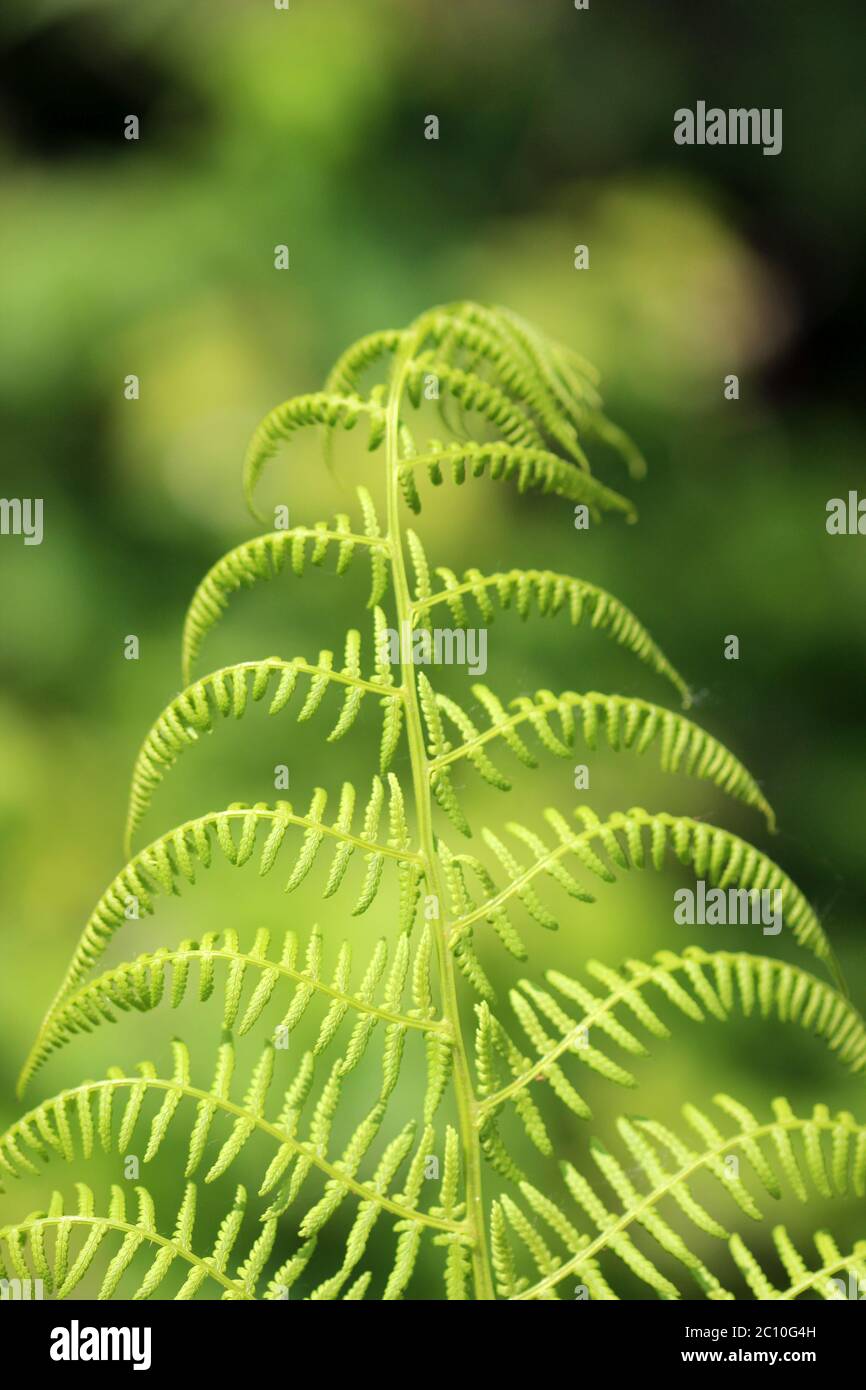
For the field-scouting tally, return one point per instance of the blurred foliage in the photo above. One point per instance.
(261, 127)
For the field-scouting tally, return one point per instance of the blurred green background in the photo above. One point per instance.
(155, 257)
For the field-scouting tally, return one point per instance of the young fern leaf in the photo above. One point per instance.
(320, 408)
(345, 376)
(479, 336)
(350, 1066)
(572, 382)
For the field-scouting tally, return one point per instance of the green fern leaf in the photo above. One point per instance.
(337, 1054)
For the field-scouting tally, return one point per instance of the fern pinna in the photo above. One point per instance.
(339, 1163)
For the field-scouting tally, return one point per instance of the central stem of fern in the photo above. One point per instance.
(465, 1095)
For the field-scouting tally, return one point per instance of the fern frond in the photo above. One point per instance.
(63, 1268)
(345, 376)
(320, 408)
(66, 1124)
(501, 409)
(625, 722)
(368, 1214)
(345, 1126)
(227, 692)
(549, 593)
(481, 336)
(831, 1280)
(176, 857)
(827, 1151)
(554, 385)
(166, 975)
(697, 983)
(531, 467)
(572, 382)
(723, 858)
(264, 557)
(451, 1208)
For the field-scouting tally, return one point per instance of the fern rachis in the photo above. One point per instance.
(498, 1233)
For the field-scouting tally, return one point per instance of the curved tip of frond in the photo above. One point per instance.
(249, 498)
(26, 1073)
(252, 466)
(621, 444)
(831, 960)
(762, 805)
(637, 465)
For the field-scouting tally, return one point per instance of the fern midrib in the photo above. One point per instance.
(498, 731)
(304, 668)
(812, 1278)
(492, 1103)
(464, 1092)
(470, 587)
(461, 925)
